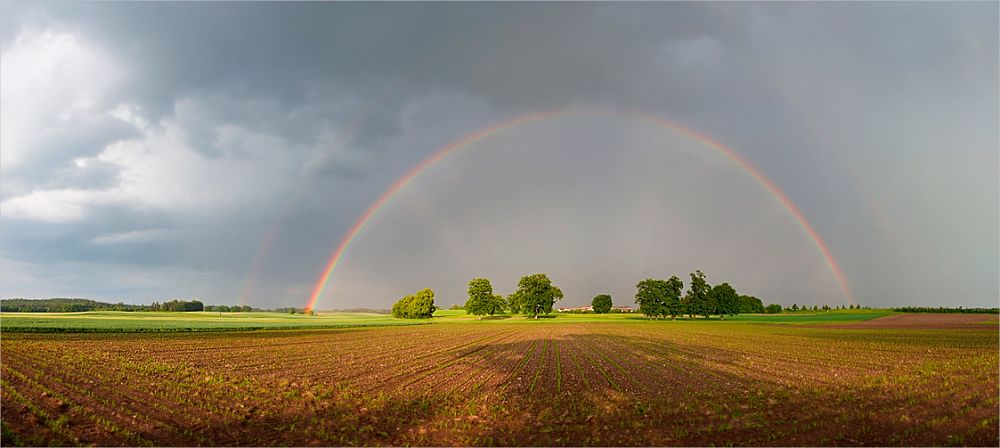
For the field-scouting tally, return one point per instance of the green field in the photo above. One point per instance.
(146, 321)
(149, 321)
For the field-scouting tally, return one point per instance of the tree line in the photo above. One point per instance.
(659, 298)
(76, 305)
(58, 305)
(940, 309)
(230, 309)
(535, 295)
(852, 306)
(656, 299)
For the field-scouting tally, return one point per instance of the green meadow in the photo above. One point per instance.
(151, 321)
(122, 321)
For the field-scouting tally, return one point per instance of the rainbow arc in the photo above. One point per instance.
(497, 128)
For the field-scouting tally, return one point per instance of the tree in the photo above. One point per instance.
(651, 296)
(481, 298)
(535, 294)
(417, 306)
(602, 303)
(795, 307)
(513, 305)
(751, 304)
(401, 309)
(773, 308)
(686, 305)
(725, 300)
(496, 305)
(698, 301)
(422, 306)
(673, 304)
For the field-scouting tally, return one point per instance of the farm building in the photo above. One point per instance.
(577, 309)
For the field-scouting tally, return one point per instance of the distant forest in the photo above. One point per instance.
(927, 309)
(64, 305)
(75, 305)
(67, 305)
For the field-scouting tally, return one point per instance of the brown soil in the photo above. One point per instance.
(579, 384)
(929, 321)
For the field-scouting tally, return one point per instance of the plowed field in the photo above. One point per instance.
(523, 383)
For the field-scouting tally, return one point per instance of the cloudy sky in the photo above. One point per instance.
(222, 151)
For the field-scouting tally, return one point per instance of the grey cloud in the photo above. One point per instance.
(873, 118)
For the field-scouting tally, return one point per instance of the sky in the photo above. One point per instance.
(224, 151)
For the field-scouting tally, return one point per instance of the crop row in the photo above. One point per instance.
(551, 384)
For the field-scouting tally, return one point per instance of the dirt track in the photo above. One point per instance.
(926, 321)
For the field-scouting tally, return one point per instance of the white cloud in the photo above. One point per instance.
(135, 236)
(54, 84)
(130, 115)
(161, 170)
(55, 206)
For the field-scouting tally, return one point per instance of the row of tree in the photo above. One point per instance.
(656, 298)
(178, 305)
(229, 309)
(55, 305)
(795, 307)
(661, 298)
(74, 305)
(535, 295)
(65, 305)
(927, 309)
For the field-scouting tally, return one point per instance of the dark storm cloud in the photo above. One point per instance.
(871, 117)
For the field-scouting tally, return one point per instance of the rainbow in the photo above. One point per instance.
(496, 128)
(258, 263)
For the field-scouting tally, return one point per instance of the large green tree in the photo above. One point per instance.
(686, 306)
(513, 305)
(482, 301)
(698, 297)
(496, 305)
(651, 296)
(417, 306)
(602, 304)
(422, 306)
(401, 309)
(725, 299)
(672, 303)
(535, 295)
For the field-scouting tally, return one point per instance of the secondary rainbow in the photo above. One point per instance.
(488, 131)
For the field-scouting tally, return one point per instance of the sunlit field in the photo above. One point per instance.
(116, 321)
(569, 380)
